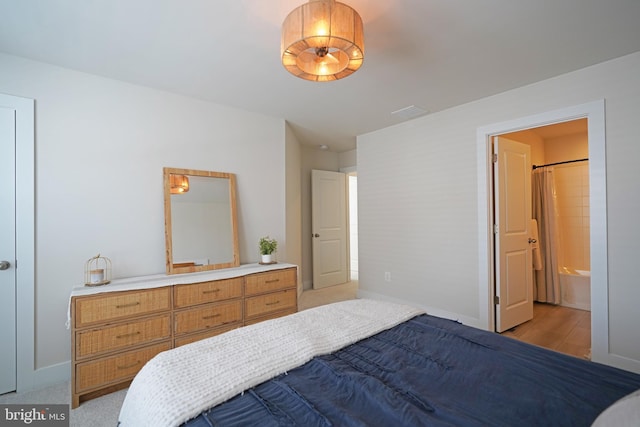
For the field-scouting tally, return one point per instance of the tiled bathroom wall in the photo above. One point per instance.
(572, 190)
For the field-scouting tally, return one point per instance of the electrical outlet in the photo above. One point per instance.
(387, 276)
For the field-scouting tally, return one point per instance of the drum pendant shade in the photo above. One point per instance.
(322, 40)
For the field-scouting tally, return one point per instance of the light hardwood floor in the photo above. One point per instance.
(558, 328)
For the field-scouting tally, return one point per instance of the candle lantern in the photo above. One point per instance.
(97, 271)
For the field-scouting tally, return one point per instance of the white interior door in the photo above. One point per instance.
(329, 228)
(514, 267)
(7, 250)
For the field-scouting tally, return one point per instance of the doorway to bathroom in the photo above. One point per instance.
(560, 189)
(594, 112)
(560, 229)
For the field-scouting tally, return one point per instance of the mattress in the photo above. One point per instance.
(423, 370)
(431, 372)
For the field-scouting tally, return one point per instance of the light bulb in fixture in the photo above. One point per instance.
(178, 184)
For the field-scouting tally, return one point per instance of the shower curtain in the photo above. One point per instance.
(546, 279)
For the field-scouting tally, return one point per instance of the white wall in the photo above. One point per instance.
(348, 159)
(292, 251)
(418, 193)
(100, 148)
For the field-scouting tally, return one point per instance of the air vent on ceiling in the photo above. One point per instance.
(409, 112)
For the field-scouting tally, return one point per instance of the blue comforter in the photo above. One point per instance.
(430, 371)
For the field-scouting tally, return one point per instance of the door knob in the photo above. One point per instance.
(315, 235)
(4, 265)
(532, 240)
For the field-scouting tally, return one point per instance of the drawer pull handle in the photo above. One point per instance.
(273, 303)
(213, 316)
(272, 281)
(132, 334)
(128, 305)
(212, 291)
(131, 365)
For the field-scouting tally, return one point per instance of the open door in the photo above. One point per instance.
(512, 206)
(329, 228)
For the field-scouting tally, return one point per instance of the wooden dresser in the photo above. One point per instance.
(116, 329)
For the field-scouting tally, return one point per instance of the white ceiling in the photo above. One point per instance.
(433, 54)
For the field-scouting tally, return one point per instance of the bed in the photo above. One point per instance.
(371, 363)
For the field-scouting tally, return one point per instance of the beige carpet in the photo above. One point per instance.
(100, 412)
(104, 411)
(316, 297)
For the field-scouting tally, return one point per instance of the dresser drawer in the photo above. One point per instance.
(267, 282)
(116, 368)
(269, 303)
(119, 305)
(187, 339)
(205, 292)
(255, 320)
(93, 342)
(205, 317)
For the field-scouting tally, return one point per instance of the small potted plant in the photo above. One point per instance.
(267, 247)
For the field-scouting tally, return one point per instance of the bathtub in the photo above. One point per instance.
(575, 288)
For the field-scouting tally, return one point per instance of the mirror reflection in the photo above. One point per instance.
(200, 220)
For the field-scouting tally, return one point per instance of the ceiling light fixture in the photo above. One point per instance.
(322, 41)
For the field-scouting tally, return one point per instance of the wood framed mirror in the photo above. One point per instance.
(201, 228)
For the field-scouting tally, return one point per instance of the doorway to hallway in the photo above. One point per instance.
(352, 191)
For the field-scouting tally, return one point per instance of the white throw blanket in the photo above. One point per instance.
(179, 384)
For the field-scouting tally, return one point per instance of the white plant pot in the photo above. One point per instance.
(266, 259)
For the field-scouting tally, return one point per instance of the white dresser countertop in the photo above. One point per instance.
(160, 280)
